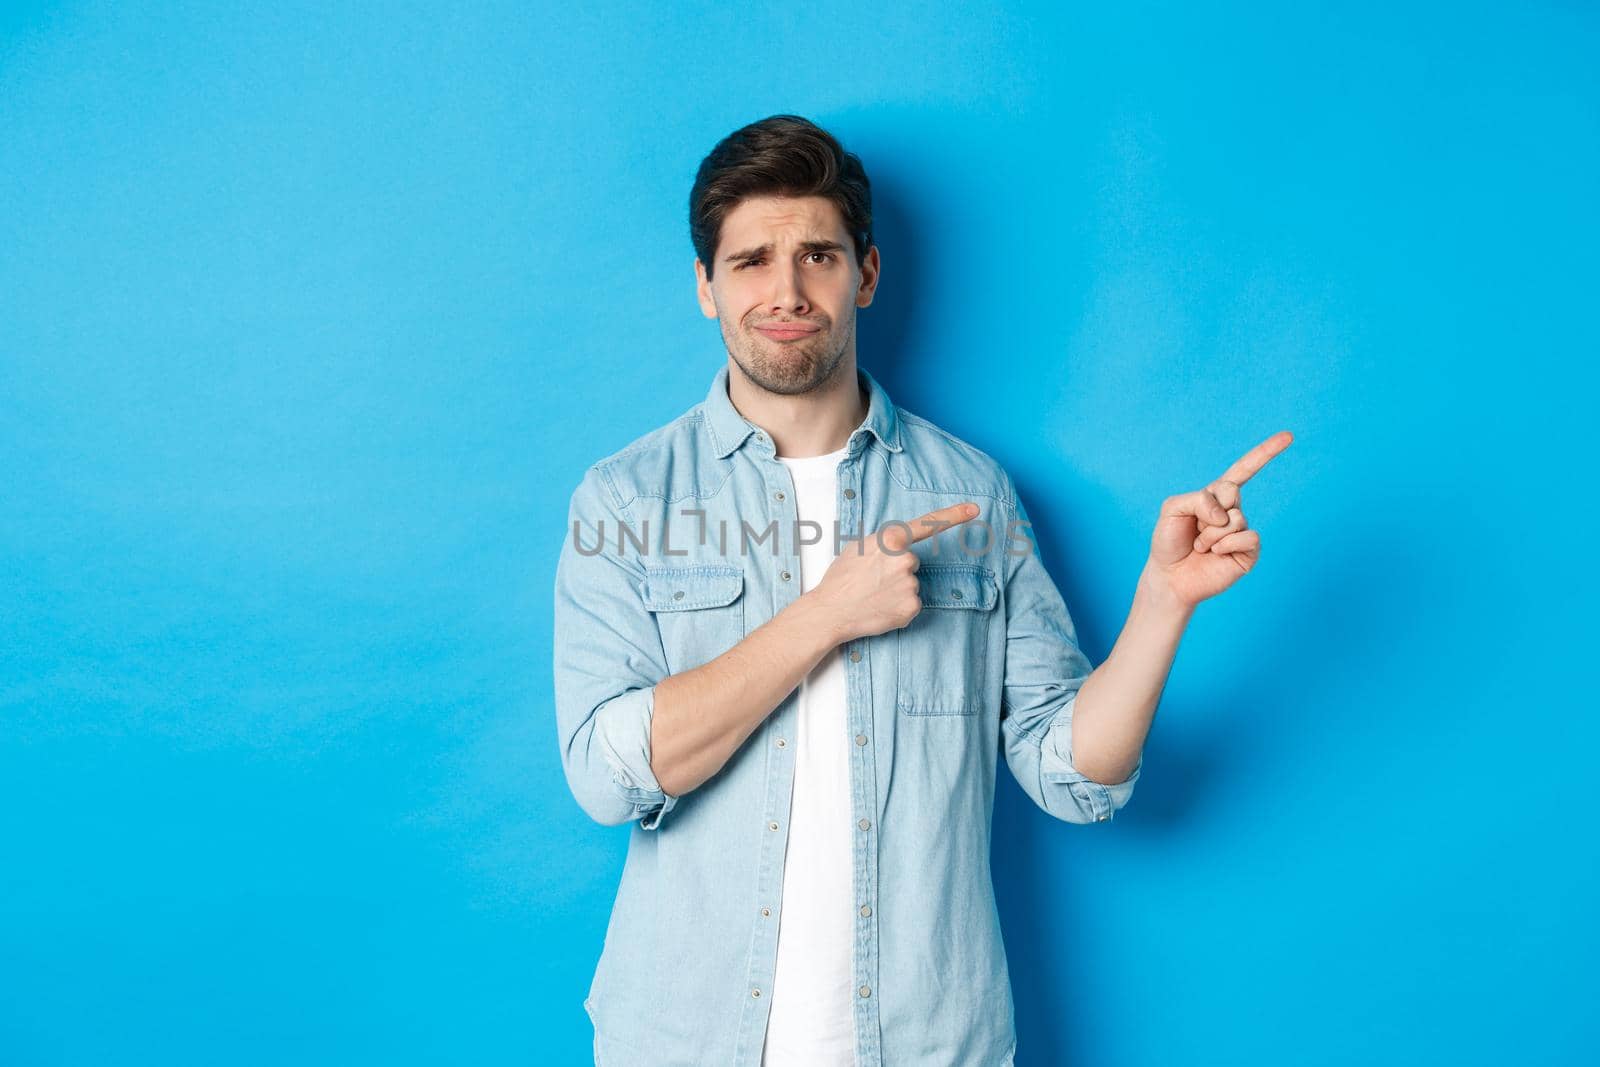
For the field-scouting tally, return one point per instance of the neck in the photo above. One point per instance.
(807, 424)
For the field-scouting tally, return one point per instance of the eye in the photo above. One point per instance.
(758, 260)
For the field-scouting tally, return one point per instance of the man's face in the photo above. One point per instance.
(787, 261)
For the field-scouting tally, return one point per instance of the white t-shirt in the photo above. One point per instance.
(811, 1021)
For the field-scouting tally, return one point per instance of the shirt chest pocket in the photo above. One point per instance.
(942, 656)
(699, 609)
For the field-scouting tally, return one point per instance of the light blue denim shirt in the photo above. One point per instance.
(698, 549)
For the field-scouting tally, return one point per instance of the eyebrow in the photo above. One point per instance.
(806, 247)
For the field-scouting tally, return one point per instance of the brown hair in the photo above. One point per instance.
(782, 155)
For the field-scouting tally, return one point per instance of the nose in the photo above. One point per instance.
(787, 294)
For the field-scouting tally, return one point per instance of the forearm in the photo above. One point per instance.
(1117, 702)
(703, 715)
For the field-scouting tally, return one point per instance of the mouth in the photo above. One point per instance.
(786, 331)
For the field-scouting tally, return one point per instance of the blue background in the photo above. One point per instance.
(310, 322)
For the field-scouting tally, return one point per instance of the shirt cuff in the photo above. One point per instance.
(1055, 765)
(622, 728)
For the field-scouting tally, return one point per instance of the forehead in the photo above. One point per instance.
(791, 219)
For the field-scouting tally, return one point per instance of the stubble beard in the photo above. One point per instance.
(791, 368)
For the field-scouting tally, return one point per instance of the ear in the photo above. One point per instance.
(869, 278)
(708, 303)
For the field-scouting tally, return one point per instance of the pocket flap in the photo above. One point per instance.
(957, 585)
(698, 585)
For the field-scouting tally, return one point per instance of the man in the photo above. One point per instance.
(787, 653)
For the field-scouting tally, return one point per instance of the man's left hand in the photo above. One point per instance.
(1202, 543)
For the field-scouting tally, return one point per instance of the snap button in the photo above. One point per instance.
(864, 823)
(1101, 818)
(865, 911)
(766, 911)
(678, 595)
(849, 494)
(865, 991)
(855, 655)
(861, 739)
(778, 495)
(782, 742)
(784, 575)
(772, 826)
(755, 992)
(956, 594)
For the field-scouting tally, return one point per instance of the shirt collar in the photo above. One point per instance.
(729, 428)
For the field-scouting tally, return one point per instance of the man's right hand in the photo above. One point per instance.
(873, 588)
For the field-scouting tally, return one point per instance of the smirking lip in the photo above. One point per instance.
(780, 334)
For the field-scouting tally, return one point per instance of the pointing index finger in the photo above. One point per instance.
(942, 519)
(1252, 461)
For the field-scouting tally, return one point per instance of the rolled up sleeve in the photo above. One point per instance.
(608, 659)
(1044, 670)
